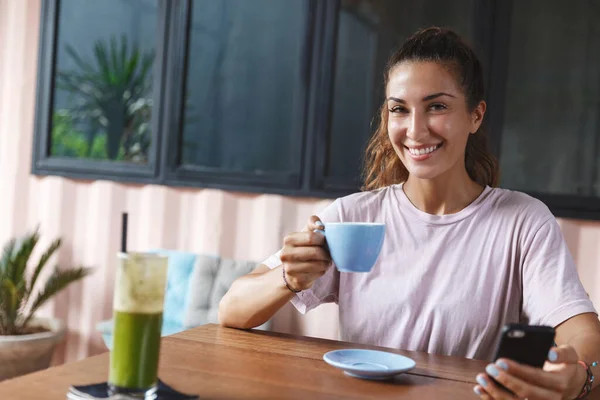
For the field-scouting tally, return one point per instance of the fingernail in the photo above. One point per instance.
(492, 370)
(481, 380)
(318, 223)
(477, 391)
(552, 356)
(502, 365)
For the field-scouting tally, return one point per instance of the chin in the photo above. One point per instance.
(421, 173)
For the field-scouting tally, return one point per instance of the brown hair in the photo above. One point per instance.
(382, 166)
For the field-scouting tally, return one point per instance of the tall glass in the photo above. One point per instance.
(137, 311)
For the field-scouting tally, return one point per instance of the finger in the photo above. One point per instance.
(290, 254)
(522, 389)
(533, 375)
(492, 390)
(564, 354)
(480, 391)
(311, 267)
(315, 222)
(308, 238)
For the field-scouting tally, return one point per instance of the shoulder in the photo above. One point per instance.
(519, 207)
(367, 205)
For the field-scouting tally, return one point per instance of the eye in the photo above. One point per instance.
(398, 109)
(437, 107)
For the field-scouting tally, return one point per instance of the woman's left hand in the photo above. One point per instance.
(561, 378)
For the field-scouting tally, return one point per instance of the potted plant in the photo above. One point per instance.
(27, 343)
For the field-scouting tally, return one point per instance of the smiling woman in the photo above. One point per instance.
(460, 258)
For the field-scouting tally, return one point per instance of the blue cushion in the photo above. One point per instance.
(181, 265)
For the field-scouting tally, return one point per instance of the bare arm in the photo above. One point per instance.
(583, 333)
(254, 298)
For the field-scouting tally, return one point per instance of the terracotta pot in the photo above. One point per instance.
(23, 354)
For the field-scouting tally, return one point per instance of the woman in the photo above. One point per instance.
(460, 258)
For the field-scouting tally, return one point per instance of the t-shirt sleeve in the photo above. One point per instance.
(326, 288)
(552, 291)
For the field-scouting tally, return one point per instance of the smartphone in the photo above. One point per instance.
(525, 344)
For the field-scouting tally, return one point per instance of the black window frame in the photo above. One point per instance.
(172, 172)
(42, 164)
(491, 27)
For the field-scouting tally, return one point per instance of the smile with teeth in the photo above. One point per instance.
(425, 150)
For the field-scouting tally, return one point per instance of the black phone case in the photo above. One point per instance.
(525, 344)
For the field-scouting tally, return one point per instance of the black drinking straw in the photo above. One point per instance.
(124, 233)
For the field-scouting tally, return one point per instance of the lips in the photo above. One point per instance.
(423, 152)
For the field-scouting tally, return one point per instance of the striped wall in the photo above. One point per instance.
(87, 213)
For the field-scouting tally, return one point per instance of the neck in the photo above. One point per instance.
(445, 194)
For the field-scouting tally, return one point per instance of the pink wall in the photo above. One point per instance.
(87, 214)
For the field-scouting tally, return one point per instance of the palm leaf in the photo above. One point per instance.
(79, 61)
(22, 255)
(72, 81)
(58, 281)
(3, 316)
(10, 295)
(131, 66)
(102, 60)
(117, 76)
(42, 263)
(10, 302)
(16, 289)
(4, 299)
(7, 254)
(114, 63)
(123, 57)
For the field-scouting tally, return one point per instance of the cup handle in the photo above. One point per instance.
(322, 232)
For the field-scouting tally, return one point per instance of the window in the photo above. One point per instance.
(551, 128)
(281, 96)
(102, 102)
(243, 105)
(97, 99)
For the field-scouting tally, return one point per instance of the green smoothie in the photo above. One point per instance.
(137, 311)
(136, 339)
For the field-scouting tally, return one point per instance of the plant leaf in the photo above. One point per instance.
(123, 58)
(78, 60)
(114, 63)
(8, 292)
(7, 254)
(59, 280)
(3, 316)
(21, 258)
(102, 60)
(42, 263)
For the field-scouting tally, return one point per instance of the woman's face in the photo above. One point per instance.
(429, 121)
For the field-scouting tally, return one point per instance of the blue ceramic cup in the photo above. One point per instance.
(354, 246)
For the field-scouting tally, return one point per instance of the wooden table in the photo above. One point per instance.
(222, 363)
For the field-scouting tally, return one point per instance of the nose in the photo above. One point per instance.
(417, 126)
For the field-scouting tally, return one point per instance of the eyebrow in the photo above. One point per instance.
(426, 98)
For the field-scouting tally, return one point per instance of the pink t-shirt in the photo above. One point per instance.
(446, 284)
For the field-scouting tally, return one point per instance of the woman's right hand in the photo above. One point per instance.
(304, 256)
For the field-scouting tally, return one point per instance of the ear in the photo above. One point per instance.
(477, 116)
